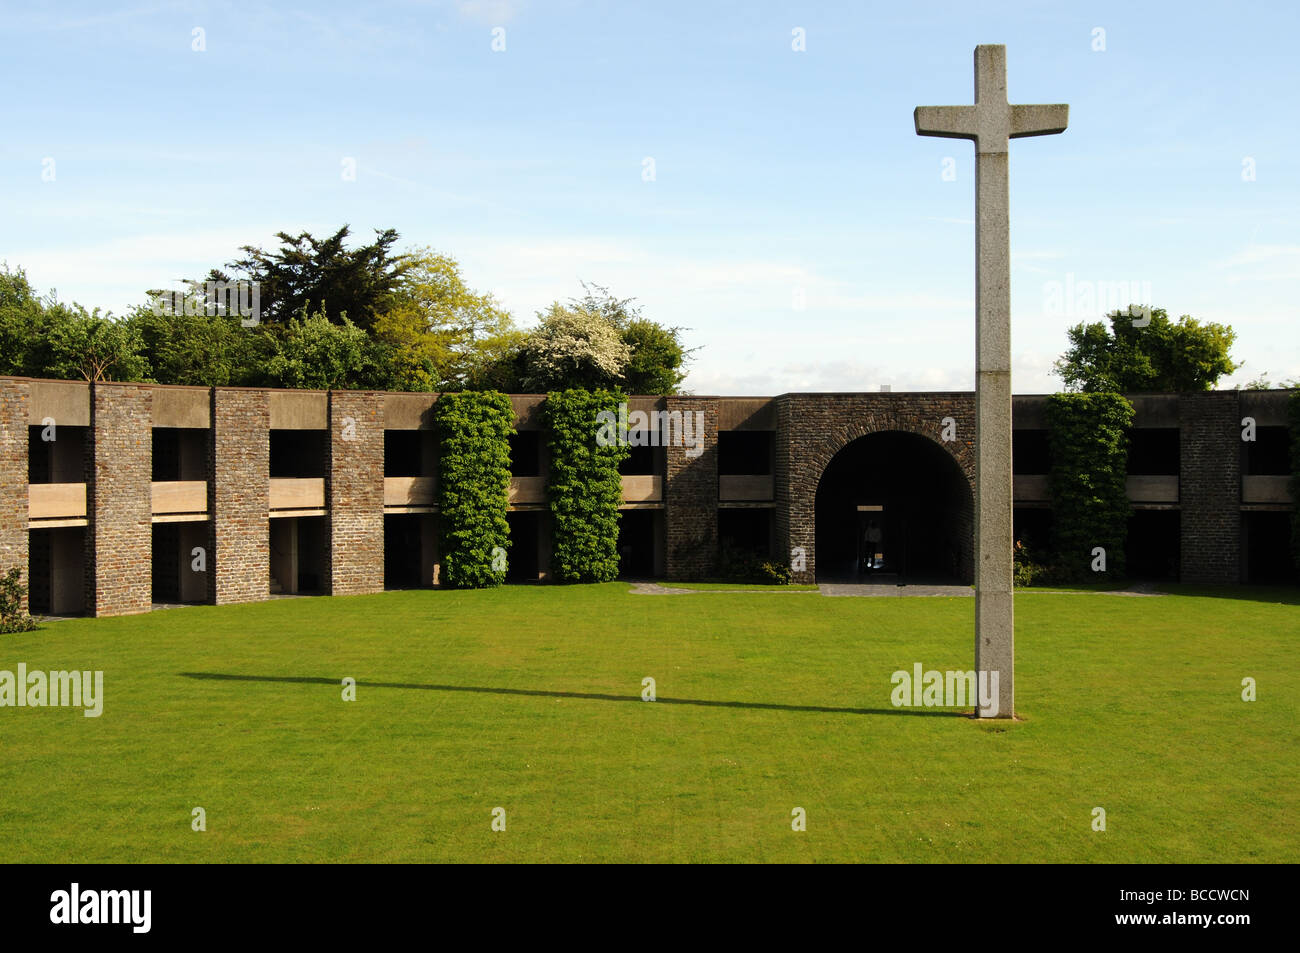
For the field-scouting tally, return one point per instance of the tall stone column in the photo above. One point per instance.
(355, 492)
(119, 500)
(691, 487)
(793, 516)
(1210, 487)
(239, 490)
(14, 397)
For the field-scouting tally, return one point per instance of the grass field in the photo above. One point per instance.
(529, 698)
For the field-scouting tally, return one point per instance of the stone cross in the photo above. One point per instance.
(990, 123)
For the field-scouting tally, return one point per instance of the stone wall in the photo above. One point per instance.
(13, 477)
(1209, 481)
(812, 428)
(119, 500)
(355, 492)
(239, 487)
(691, 493)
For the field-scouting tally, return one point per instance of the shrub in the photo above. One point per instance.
(740, 565)
(12, 616)
(1028, 572)
(474, 486)
(584, 486)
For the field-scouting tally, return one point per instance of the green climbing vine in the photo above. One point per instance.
(584, 487)
(474, 431)
(1088, 436)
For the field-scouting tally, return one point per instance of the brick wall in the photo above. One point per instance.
(119, 500)
(355, 492)
(239, 485)
(812, 428)
(13, 477)
(691, 494)
(1209, 481)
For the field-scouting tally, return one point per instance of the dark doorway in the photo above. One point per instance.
(525, 532)
(1154, 541)
(636, 544)
(1266, 541)
(403, 556)
(902, 498)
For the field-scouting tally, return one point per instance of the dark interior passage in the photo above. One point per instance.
(746, 530)
(56, 582)
(1152, 550)
(402, 551)
(1266, 548)
(637, 547)
(521, 559)
(894, 504)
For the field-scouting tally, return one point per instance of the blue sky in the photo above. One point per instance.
(795, 224)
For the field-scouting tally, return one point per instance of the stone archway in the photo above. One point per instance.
(893, 506)
(814, 428)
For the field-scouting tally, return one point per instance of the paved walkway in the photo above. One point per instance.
(890, 590)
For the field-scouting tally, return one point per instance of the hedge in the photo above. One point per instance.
(584, 487)
(474, 431)
(1088, 436)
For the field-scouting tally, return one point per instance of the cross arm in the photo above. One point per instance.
(947, 122)
(1039, 120)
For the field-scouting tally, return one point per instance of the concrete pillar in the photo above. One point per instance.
(355, 492)
(119, 501)
(239, 487)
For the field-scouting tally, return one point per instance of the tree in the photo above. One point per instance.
(1263, 383)
(41, 337)
(657, 356)
(440, 333)
(314, 352)
(1162, 356)
(71, 344)
(573, 347)
(597, 341)
(322, 276)
(207, 350)
(20, 311)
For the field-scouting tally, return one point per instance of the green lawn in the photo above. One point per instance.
(528, 698)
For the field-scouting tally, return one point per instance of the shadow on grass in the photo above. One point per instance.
(590, 696)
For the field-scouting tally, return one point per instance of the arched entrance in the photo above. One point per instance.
(894, 506)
